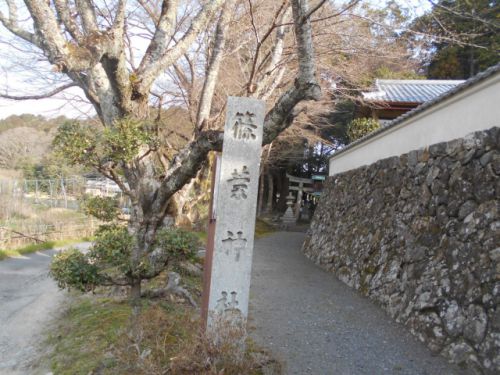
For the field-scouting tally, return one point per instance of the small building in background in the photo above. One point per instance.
(390, 98)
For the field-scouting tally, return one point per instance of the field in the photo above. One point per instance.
(35, 212)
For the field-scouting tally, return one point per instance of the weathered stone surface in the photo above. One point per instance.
(475, 325)
(453, 319)
(235, 201)
(420, 235)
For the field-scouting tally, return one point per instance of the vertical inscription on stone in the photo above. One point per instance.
(239, 182)
(235, 244)
(236, 208)
(244, 126)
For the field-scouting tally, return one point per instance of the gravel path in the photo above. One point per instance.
(317, 325)
(28, 300)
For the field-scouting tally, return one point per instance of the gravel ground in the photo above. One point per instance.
(317, 325)
(28, 301)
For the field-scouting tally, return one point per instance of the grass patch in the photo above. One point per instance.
(33, 248)
(263, 229)
(202, 236)
(85, 334)
(95, 336)
(26, 249)
(98, 335)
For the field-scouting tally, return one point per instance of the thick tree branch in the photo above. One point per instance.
(251, 87)
(273, 75)
(119, 21)
(65, 56)
(212, 73)
(186, 163)
(11, 24)
(149, 72)
(109, 108)
(39, 96)
(164, 32)
(305, 49)
(87, 14)
(64, 14)
(305, 87)
(114, 61)
(313, 10)
(268, 90)
(46, 24)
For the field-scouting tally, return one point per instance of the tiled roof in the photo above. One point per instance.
(423, 107)
(409, 91)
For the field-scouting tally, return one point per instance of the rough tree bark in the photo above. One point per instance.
(260, 204)
(92, 56)
(283, 190)
(270, 191)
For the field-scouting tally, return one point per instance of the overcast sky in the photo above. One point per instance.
(13, 76)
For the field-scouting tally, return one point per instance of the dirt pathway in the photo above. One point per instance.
(318, 325)
(28, 300)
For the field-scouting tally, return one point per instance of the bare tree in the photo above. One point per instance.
(90, 44)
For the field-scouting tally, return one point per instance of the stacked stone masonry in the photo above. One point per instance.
(420, 234)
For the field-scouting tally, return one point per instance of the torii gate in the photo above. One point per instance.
(300, 189)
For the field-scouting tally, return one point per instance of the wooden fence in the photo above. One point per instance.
(41, 232)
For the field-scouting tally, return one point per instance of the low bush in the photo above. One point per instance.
(108, 260)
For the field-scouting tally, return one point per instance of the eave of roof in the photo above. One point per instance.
(423, 107)
(402, 90)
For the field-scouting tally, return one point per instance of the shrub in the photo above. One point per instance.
(72, 268)
(103, 208)
(360, 127)
(108, 260)
(112, 248)
(178, 243)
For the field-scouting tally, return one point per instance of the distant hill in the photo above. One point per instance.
(26, 138)
(22, 144)
(31, 121)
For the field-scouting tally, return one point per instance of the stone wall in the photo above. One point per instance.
(420, 234)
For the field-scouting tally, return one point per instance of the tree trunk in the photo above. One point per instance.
(135, 292)
(143, 227)
(270, 196)
(261, 194)
(279, 183)
(281, 206)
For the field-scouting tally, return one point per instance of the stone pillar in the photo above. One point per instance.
(288, 218)
(235, 210)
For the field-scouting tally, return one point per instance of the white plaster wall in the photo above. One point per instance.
(475, 108)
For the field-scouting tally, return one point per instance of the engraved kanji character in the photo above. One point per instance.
(244, 126)
(239, 183)
(235, 244)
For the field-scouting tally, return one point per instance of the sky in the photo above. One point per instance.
(46, 107)
(13, 75)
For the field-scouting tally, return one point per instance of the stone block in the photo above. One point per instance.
(421, 238)
(235, 210)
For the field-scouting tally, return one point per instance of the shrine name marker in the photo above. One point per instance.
(235, 209)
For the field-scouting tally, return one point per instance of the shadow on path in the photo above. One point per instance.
(318, 325)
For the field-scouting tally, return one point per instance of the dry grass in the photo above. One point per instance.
(10, 174)
(21, 221)
(102, 336)
(226, 353)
